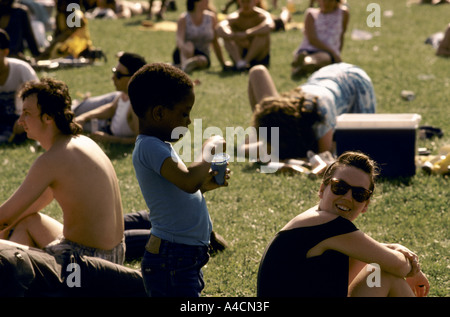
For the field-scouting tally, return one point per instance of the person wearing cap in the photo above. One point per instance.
(119, 123)
(13, 74)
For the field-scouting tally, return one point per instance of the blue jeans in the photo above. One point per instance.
(175, 271)
(137, 232)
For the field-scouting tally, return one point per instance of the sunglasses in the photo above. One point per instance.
(340, 187)
(119, 74)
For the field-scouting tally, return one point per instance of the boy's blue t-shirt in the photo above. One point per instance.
(175, 215)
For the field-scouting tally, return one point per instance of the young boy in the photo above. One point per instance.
(162, 97)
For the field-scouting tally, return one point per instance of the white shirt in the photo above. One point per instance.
(119, 123)
(19, 73)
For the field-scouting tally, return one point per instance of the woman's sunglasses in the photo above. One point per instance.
(340, 187)
(119, 74)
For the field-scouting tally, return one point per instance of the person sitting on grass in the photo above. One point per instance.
(321, 253)
(118, 123)
(14, 73)
(181, 224)
(196, 32)
(246, 35)
(323, 38)
(75, 172)
(69, 41)
(15, 20)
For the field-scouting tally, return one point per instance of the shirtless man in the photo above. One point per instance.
(246, 35)
(75, 172)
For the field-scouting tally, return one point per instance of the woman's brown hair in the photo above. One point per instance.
(294, 114)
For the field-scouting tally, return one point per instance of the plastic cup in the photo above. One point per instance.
(219, 163)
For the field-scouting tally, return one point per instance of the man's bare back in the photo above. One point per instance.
(74, 171)
(87, 190)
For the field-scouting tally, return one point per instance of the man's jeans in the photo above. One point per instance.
(173, 269)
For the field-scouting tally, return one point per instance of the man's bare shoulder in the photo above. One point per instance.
(68, 148)
(61, 159)
(78, 157)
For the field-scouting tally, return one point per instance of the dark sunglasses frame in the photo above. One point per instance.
(119, 74)
(340, 187)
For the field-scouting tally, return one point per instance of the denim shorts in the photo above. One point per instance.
(173, 269)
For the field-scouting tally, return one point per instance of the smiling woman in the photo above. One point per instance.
(331, 255)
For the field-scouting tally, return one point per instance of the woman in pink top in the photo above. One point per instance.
(323, 37)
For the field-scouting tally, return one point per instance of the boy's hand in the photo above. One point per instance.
(210, 183)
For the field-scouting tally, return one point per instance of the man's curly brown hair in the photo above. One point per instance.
(294, 114)
(53, 99)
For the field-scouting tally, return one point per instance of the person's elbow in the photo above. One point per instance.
(189, 188)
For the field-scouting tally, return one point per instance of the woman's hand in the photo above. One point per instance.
(411, 256)
(419, 284)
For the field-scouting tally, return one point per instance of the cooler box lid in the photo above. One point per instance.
(378, 121)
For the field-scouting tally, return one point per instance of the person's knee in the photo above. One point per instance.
(256, 70)
(376, 283)
(27, 222)
(390, 282)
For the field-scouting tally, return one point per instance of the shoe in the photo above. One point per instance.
(299, 59)
(241, 65)
(217, 243)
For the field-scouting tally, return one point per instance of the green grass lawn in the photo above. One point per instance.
(412, 212)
